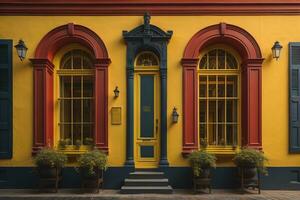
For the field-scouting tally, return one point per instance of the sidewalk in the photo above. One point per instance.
(73, 194)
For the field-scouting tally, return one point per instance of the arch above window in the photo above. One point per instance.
(250, 54)
(43, 82)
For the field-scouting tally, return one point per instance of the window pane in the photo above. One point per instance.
(88, 86)
(203, 62)
(212, 59)
(76, 134)
(65, 86)
(231, 111)
(88, 110)
(212, 134)
(202, 111)
(202, 130)
(221, 86)
(221, 59)
(65, 131)
(221, 134)
(77, 62)
(221, 111)
(3, 80)
(77, 86)
(87, 63)
(65, 110)
(212, 86)
(231, 134)
(232, 86)
(88, 131)
(231, 62)
(202, 88)
(77, 110)
(212, 111)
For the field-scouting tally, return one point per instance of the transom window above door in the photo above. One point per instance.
(219, 99)
(76, 98)
(147, 58)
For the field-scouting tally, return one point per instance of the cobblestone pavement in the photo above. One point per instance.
(178, 194)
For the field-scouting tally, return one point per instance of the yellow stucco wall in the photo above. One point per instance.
(265, 29)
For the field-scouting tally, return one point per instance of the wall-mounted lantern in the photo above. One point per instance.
(175, 115)
(276, 50)
(117, 92)
(21, 49)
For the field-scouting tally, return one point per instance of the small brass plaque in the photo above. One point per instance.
(116, 115)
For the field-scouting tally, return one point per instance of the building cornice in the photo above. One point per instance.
(155, 7)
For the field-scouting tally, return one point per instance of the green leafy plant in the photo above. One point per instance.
(251, 158)
(50, 158)
(201, 160)
(93, 160)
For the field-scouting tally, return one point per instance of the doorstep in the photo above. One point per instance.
(74, 194)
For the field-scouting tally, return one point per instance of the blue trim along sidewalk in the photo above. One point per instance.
(283, 178)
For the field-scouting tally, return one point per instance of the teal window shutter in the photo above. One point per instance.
(294, 97)
(5, 99)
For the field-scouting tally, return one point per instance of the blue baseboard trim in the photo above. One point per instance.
(179, 177)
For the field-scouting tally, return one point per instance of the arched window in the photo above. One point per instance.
(76, 97)
(219, 99)
(147, 59)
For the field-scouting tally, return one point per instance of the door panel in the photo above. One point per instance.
(146, 120)
(147, 106)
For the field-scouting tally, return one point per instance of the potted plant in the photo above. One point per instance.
(49, 163)
(250, 163)
(91, 167)
(201, 162)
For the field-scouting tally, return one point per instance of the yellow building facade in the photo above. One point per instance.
(274, 103)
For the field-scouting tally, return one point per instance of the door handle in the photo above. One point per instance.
(156, 126)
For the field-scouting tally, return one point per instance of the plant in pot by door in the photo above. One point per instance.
(91, 167)
(251, 163)
(202, 162)
(49, 164)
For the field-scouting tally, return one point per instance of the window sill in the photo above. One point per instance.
(71, 150)
(217, 150)
(222, 150)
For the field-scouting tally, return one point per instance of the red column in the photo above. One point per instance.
(101, 104)
(190, 105)
(251, 111)
(43, 104)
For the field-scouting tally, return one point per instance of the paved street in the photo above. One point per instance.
(178, 194)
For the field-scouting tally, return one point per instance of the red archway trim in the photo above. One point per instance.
(250, 53)
(43, 82)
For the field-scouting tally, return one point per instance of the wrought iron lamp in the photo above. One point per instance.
(175, 115)
(276, 50)
(21, 49)
(117, 92)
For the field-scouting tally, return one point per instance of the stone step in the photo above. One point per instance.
(146, 175)
(146, 182)
(146, 189)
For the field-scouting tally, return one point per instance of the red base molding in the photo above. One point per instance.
(43, 83)
(250, 53)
